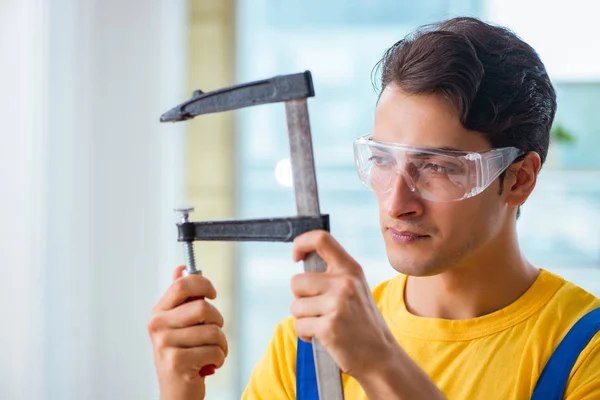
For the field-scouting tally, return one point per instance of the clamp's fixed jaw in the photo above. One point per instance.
(273, 90)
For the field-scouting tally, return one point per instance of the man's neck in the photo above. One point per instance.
(479, 287)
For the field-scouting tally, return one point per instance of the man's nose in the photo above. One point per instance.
(403, 198)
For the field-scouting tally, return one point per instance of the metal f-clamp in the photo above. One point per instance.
(293, 90)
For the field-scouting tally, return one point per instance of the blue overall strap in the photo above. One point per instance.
(306, 375)
(553, 381)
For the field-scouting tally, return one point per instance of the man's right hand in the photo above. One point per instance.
(186, 335)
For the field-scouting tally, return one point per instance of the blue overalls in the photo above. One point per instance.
(550, 386)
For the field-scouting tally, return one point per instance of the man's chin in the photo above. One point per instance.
(414, 260)
(414, 266)
(418, 272)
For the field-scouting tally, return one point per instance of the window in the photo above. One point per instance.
(559, 228)
(340, 42)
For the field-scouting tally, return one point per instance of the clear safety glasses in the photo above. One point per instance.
(435, 174)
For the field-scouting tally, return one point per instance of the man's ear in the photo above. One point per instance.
(521, 178)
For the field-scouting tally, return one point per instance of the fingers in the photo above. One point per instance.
(333, 294)
(310, 284)
(195, 336)
(310, 307)
(178, 272)
(189, 314)
(185, 288)
(320, 241)
(193, 359)
(307, 328)
(334, 255)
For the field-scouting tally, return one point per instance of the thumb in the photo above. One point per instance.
(178, 272)
(332, 253)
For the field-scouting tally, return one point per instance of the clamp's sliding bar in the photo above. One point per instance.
(253, 230)
(307, 203)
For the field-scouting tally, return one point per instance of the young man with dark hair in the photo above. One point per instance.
(461, 131)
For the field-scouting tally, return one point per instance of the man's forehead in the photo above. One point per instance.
(434, 142)
(425, 120)
(387, 146)
(382, 140)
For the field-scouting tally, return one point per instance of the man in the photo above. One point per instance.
(460, 133)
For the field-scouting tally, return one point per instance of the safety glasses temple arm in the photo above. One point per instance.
(496, 161)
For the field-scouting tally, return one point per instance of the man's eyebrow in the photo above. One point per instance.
(446, 148)
(382, 149)
(443, 149)
(423, 154)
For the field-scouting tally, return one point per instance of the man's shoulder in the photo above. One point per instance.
(571, 299)
(564, 309)
(570, 303)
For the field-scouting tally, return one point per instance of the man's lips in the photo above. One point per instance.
(404, 236)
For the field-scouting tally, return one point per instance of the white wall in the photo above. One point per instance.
(560, 31)
(92, 253)
(21, 195)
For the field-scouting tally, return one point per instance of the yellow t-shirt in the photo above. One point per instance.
(496, 356)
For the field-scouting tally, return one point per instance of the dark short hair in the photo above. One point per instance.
(496, 81)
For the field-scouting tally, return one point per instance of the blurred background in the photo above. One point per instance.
(89, 177)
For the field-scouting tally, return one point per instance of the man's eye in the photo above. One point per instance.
(435, 168)
(380, 161)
